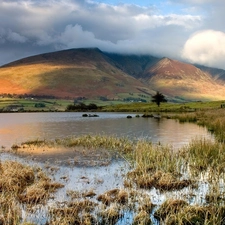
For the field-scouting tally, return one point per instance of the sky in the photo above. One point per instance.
(187, 30)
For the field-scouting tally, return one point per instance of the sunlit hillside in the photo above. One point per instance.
(94, 74)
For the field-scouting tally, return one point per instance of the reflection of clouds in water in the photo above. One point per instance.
(15, 128)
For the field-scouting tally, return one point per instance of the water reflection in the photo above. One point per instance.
(15, 128)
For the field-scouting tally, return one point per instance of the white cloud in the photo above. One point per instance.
(198, 2)
(206, 47)
(43, 26)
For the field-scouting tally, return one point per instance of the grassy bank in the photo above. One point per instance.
(213, 119)
(14, 104)
(164, 107)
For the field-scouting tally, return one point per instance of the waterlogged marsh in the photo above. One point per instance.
(124, 192)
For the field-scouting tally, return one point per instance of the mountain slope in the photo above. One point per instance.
(92, 73)
(134, 65)
(70, 73)
(217, 74)
(184, 81)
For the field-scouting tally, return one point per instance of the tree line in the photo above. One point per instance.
(82, 107)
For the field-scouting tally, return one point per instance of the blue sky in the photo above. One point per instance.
(187, 30)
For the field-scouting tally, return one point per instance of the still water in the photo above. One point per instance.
(18, 127)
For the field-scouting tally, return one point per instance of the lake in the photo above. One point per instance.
(18, 127)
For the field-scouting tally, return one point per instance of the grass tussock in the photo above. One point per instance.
(15, 177)
(114, 195)
(180, 212)
(76, 212)
(142, 218)
(157, 166)
(98, 141)
(10, 210)
(204, 154)
(110, 215)
(21, 184)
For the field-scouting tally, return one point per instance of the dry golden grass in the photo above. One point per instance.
(157, 166)
(10, 210)
(114, 195)
(154, 166)
(77, 212)
(110, 215)
(142, 218)
(180, 212)
(15, 177)
(170, 206)
(21, 184)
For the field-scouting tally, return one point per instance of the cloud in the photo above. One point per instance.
(15, 37)
(196, 2)
(38, 26)
(206, 47)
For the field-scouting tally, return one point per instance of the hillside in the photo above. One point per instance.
(70, 73)
(92, 73)
(182, 81)
(217, 74)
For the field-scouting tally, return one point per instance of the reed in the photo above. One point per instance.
(75, 212)
(153, 166)
(180, 212)
(157, 166)
(21, 184)
(97, 141)
(142, 218)
(114, 195)
(203, 155)
(110, 215)
(213, 119)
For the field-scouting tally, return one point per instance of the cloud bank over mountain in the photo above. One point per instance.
(185, 30)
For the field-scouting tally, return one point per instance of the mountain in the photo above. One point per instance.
(70, 73)
(183, 81)
(92, 73)
(217, 74)
(133, 65)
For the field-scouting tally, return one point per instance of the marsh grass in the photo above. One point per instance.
(21, 184)
(114, 195)
(98, 141)
(213, 119)
(107, 208)
(152, 166)
(205, 155)
(142, 218)
(76, 212)
(10, 210)
(181, 213)
(157, 166)
(85, 150)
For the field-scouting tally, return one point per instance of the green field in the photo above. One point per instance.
(17, 104)
(164, 107)
(48, 105)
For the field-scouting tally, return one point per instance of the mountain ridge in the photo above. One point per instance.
(91, 73)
